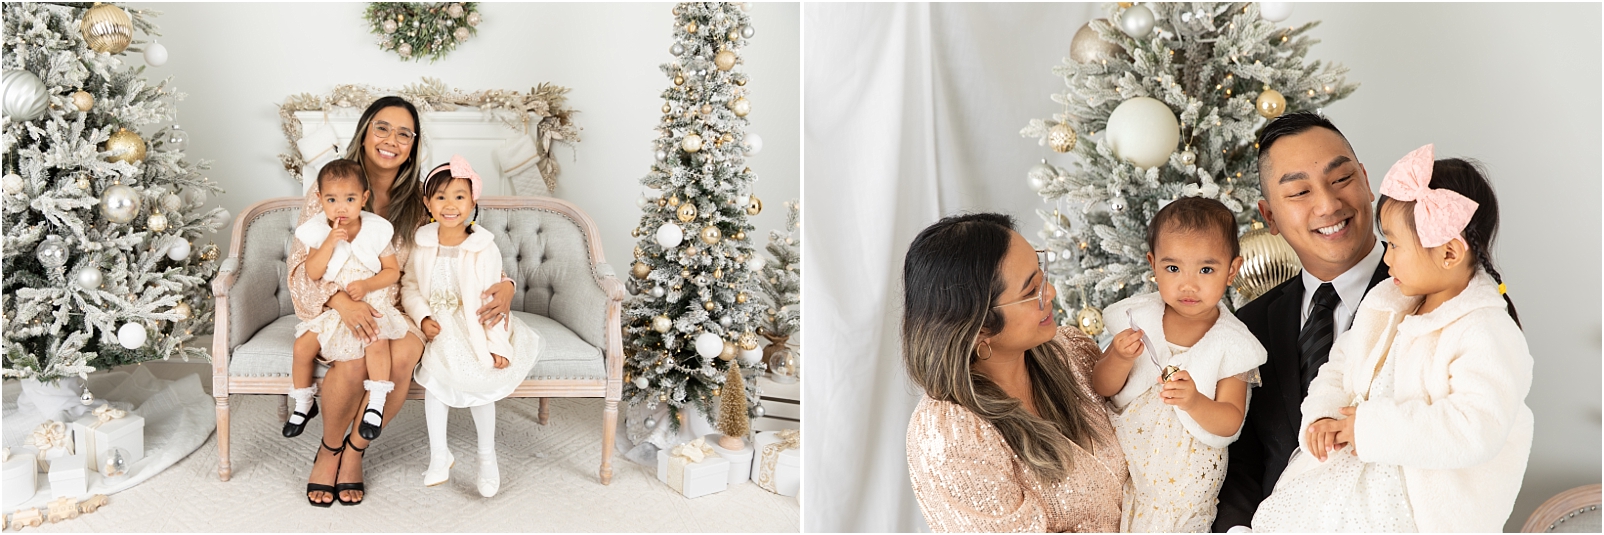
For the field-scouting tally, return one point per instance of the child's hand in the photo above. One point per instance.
(357, 289)
(430, 328)
(1181, 392)
(501, 362)
(336, 236)
(1345, 435)
(1126, 345)
(1325, 436)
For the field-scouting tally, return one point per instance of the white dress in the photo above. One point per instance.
(1342, 494)
(1175, 477)
(450, 369)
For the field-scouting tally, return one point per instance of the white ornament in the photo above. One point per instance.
(742, 200)
(709, 345)
(751, 357)
(12, 184)
(1143, 131)
(756, 263)
(657, 291)
(1275, 11)
(641, 383)
(25, 95)
(1137, 21)
(88, 277)
(179, 249)
(155, 54)
(754, 144)
(642, 201)
(670, 235)
(131, 336)
(1040, 174)
(119, 204)
(172, 203)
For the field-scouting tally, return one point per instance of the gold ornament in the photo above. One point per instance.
(741, 107)
(210, 253)
(107, 28)
(728, 352)
(641, 270)
(1271, 104)
(1090, 320)
(1267, 261)
(673, 200)
(726, 138)
(691, 28)
(741, 297)
(711, 235)
(182, 309)
(687, 212)
(83, 183)
(740, 82)
(678, 80)
(718, 273)
(662, 324)
(740, 234)
(1061, 137)
(125, 146)
(708, 305)
(690, 250)
(748, 341)
(639, 252)
(755, 207)
(667, 108)
(156, 222)
(691, 143)
(684, 274)
(83, 100)
(733, 35)
(1088, 47)
(725, 60)
(662, 202)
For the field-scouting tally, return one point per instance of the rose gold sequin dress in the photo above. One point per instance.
(967, 479)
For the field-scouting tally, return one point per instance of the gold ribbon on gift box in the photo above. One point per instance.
(789, 439)
(682, 455)
(49, 436)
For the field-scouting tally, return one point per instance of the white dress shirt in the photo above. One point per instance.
(1350, 285)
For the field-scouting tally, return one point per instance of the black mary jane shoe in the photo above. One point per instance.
(367, 430)
(358, 486)
(333, 490)
(294, 430)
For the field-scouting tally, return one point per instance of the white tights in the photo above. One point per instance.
(435, 413)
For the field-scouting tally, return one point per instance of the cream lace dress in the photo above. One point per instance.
(450, 368)
(1342, 494)
(1175, 478)
(356, 261)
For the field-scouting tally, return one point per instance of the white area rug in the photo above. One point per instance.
(548, 483)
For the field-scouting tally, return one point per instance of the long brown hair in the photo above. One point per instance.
(406, 210)
(951, 276)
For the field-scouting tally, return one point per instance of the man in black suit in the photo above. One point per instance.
(1317, 196)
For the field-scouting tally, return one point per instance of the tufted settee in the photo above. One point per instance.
(564, 290)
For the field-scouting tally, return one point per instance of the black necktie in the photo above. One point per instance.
(1314, 341)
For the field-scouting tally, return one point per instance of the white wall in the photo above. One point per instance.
(238, 62)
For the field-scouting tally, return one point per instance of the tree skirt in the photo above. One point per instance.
(179, 416)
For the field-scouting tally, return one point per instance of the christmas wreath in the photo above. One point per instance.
(414, 30)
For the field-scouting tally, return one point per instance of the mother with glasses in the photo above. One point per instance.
(1009, 435)
(386, 144)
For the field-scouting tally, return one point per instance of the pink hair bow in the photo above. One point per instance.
(460, 169)
(1440, 214)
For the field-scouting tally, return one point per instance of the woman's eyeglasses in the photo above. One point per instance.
(1041, 291)
(383, 130)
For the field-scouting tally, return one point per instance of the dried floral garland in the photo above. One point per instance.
(414, 30)
(544, 107)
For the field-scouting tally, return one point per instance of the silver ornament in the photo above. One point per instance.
(1137, 21)
(657, 291)
(662, 324)
(115, 466)
(1087, 47)
(651, 423)
(119, 204)
(172, 203)
(1040, 175)
(1117, 205)
(389, 26)
(662, 156)
(724, 322)
(1188, 158)
(85, 397)
(11, 184)
(757, 410)
(178, 249)
(52, 252)
(88, 277)
(746, 31)
(24, 94)
(676, 49)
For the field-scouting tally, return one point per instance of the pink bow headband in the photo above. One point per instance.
(459, 169)
(1440, 214)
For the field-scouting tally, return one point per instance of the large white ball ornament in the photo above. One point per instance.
(670, 235)
(1143, 131)
(119, 204)
(1137, 21)
(641, 383)
(131, 335)
(756, 263)
(11, 184)
(709, 345)
(754, 143)
(155, 55)
(1275, 11)
(25, 95)
(88, 277)
(179, 250)
(751, 357)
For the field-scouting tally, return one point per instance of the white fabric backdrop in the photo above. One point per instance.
(913, 112)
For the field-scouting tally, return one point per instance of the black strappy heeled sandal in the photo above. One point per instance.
(358, 486)
(294, 430)
(333, 490)
(367, 430)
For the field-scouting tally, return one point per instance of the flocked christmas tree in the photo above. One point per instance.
(690, 316)
(101, 229)
(780, 285)
(1179, 92)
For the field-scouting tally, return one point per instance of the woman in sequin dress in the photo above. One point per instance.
(1009, 435)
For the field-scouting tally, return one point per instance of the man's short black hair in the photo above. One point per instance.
(1288, 125)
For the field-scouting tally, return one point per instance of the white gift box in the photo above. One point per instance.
(694, 480)
(19, 479)
(92, 437)
(69, 476)
(776, 467)
(740, 460)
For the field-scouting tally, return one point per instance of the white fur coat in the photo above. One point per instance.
(1229, 348)
(365, 248)
(1457, 422)
(480, 268)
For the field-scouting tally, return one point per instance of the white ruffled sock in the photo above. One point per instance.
(303, 402)
(377, 390)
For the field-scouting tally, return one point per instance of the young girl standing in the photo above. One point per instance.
(465, 363)
(1418, 422)
(1181, 400)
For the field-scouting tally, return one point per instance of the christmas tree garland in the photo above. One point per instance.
(415, 30)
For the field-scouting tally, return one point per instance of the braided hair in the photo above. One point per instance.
(1469, 179)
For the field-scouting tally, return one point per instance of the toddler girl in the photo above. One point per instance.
(1418, 422)
(1179, 370)
(465, 363)
(349, 247)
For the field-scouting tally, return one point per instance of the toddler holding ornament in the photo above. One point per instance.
(1179, 369)
(1418, 421)
(352, 248)
(465, 364)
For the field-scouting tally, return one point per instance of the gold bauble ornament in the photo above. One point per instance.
(686, 212)
(1090, 320)
(678, 80)
(726, 138)
(718, 273)
(728, 352)
(740, 234)
(641, 270)
(662, 324)
(740, 82)
(83, 183)
(741, 297)
(741, 107)
(673, 200)
(662, 202)
(639, 252)
(182, 309)
(1271, 104)
(156, 222)
(691, 143)
(711, 235)
(733, 35)
(1061, 137)
(210, 253)
(667, 108)
(691, 27)
(684, 274)
(1088, 47)
(755, 207)
(107, 28)
(1267, 261)
(707, 109)
(748, 341)
(125, 146)
(725, 60)
(83, 100)
(708, 305)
